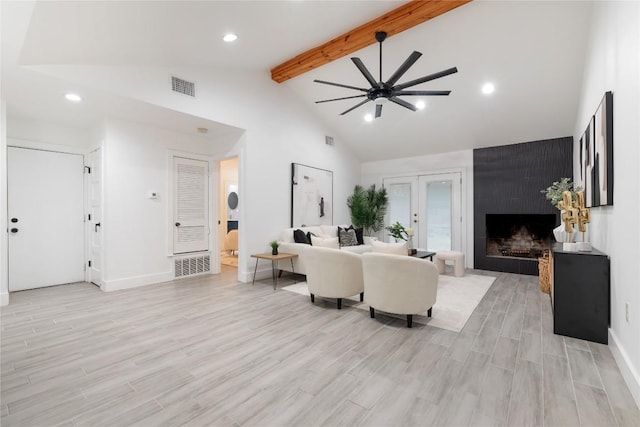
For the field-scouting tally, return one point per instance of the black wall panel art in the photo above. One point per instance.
(596, 156)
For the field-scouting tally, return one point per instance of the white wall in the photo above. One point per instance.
(36, 131)
(374, 172)
(279, 130)
(612, 63)
(136, 229)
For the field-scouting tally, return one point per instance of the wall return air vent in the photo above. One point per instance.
(183, 86)
(190, 266)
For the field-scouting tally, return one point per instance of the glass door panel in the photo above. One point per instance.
(402, 207)
(440, 212)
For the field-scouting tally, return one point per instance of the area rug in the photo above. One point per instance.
(231, 260)
(457, 298)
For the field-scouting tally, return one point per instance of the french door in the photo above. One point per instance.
(429, 204)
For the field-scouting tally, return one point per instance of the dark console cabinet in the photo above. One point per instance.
(580, 294)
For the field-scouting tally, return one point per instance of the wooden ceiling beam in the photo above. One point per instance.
(394, 22)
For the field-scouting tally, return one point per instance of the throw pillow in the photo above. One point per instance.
(347, 237)
(331, 242)
(300, 237)
(309, 234)
(359, 235)
(389, 248)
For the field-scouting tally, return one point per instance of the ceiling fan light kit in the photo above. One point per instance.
(389, 89)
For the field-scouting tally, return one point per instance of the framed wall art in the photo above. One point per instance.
(311, 196)
(596, 156)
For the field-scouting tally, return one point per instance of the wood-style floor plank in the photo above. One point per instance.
(209, 351)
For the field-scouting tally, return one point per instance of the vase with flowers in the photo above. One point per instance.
(398, 232)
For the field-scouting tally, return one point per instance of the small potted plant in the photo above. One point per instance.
(274, 247)
(397, 231)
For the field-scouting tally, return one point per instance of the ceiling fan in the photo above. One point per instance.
(389, 89)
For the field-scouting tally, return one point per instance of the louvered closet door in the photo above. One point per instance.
(191, 216)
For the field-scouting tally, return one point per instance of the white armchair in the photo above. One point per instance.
(332, 273)
(399, 284)
(231, 241)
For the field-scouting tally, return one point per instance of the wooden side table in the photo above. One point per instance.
(274, 264)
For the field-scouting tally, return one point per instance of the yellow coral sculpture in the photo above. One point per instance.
(570, 214)
(584, 214)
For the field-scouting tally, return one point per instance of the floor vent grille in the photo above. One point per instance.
(183, 86)
(192, 265)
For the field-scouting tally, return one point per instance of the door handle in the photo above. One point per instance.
(95, 227)
(177, 224)
(14, 230)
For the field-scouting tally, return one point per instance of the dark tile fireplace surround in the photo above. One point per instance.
(513, 221)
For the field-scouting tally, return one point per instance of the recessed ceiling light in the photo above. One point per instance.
(420, 105)
(368, 117)
(230, 37)
(73, 97)
(488, 88)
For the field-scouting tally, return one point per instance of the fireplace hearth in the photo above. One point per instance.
(507, 181)
(518, 236)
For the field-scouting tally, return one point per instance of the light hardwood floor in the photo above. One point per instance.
(210, 351)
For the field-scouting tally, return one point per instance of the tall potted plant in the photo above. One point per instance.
(368, 207)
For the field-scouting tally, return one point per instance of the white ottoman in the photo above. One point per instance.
(456, 257)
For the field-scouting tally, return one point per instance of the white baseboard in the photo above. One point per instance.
(4, 299)
(134, 282)
(629, 372)
(262, 273)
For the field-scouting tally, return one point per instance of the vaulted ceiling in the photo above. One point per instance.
(533, 52)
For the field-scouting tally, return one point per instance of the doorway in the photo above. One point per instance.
(431, 205)
(46, 218)
(229, 212)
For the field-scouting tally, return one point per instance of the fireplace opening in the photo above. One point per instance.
(518, 235)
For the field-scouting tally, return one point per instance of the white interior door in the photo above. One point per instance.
(95, 216)
(403, 202)
(440, 212)
(191, 214)
(46, 218)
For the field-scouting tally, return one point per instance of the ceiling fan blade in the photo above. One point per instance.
(403, 103)
(355, 106)
(404, 67)
(421, 93)
(378, 110)
(339, 99)
(341, 85)
(426, 78)
(367, 75)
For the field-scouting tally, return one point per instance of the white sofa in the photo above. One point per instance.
(288, 245)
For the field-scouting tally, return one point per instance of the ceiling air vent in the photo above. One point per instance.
(328, 140)
(182, 86)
